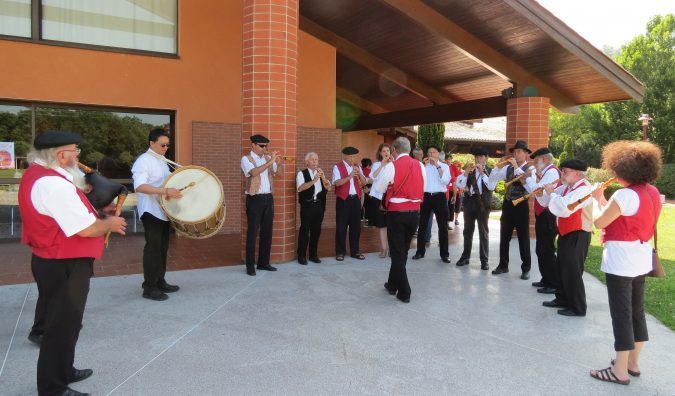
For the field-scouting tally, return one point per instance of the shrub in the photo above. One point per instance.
(666, 183)
(497, 200)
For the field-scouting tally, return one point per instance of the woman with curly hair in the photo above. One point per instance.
(628, 221)
(384, 159)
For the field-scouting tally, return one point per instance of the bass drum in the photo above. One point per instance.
(200, 213)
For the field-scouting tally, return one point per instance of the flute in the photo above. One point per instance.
(573, 205)
(523, 175)
(534, 192)
(503, 163)
(357, 177)
(118, 210)
(324, 181)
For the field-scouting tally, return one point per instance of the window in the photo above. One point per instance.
(112, 139)
(141, 25)
(15, 18)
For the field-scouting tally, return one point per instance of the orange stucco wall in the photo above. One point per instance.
(203, 84)
(366, 141)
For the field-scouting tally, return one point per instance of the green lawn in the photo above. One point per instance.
(660, 293)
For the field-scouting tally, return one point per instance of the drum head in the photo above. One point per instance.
(200, 201)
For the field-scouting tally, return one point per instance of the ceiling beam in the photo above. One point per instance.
(577, 45)
(347, 96)
(476, 49)
(376, 65)
(472, 109)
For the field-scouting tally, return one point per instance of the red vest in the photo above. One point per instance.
(342, 191)
(640, 226)
(538, 209)
(43, 234)
(574, 221)
(412, 189)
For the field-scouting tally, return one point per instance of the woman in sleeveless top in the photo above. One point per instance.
(627, 221)
(384, 158)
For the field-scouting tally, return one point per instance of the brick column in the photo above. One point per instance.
(527, 119)
(270, 58)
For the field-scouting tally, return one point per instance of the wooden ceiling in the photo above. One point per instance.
(397, 55)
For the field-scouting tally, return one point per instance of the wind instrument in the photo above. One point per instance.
(324, 181)
(534, 192)
(503, 162)
(518, 178)
(573, 205)
(357, 177)
(118, 210)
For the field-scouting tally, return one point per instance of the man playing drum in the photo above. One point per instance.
(149, 172)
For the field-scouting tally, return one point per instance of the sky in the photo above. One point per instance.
(608, 22)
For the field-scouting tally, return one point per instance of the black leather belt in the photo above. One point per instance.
(352, 196)
(434, 193)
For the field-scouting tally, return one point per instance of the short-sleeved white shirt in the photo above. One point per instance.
(627, 258)
(148, 169)
(57, 198)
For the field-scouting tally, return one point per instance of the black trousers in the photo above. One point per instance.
(40, 311)
(155, 250)
(572, 251)
(400, 228)
(311, 217)
(627, 308)
(259, 215)
(347, 214)
(473, 215)
(438, 204)
(63, 285)
(454, 208)
(517, 217)
(546, 231)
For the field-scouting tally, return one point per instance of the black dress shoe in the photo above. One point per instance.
(389, 289)
(569, 312)
(403, 299)
(538, 284)
(250, 272)
(315, 260)
(462, 262)
(302, 261)
(266, 268)
(546, 290)
(525, 275)
(154, 294)
(484, 266)
(35, 338)
(417, 256)
(80, 375)
(445, 260)
(500, 270)
(167, 288)
(73, 392)
(552, 304)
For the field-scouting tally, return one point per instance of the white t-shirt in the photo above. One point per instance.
(627, 258)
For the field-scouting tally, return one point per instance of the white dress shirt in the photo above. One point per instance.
(626, 258)
(57, 198)
(246, 166)
(374, 193)
(435, 182)
(386, 176)
(549, 175)
(462, 179)
(148, 169)
(300, 180)
(336, 176)
(557, 202)
(499, 174)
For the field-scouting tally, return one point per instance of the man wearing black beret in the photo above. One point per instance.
(348, 181)
(574, 225)
(66, 235)
(545, 227)
(258, 167)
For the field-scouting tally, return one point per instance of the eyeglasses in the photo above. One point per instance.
(165, 145)
(77, 151)
(261, 145)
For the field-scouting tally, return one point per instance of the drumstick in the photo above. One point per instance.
(192, 184)
(118, 211)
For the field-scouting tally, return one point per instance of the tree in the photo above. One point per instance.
(431, 135)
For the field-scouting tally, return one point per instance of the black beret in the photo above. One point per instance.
(541, 151)
(574, 164)
(259, 139)
(50, 139)
(520, 144)
(349, 150)
(476, 151)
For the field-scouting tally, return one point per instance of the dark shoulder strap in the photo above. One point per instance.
(306, 175)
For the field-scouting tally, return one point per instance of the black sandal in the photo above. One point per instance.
(340, 257)
(608, 375)
(630, 372)
(359, 256)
